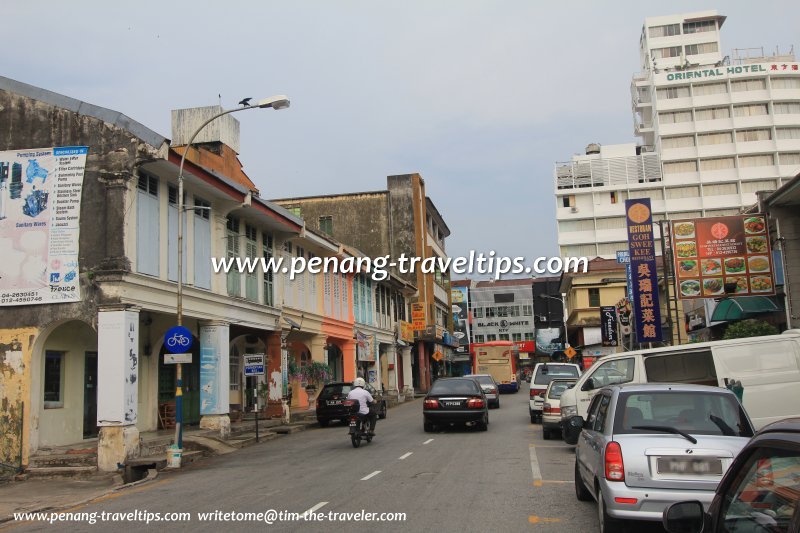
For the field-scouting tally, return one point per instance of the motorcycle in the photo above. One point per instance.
(359, 426)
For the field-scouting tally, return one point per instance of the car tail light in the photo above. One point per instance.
(475, 403)
(431, 403)
(546, 408)
(319, 403)
(550, 410)
(615, 470)
(536, 392)
(348, 403)
(631, 501)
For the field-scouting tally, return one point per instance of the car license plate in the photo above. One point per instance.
(689, 466)
(452, 404)
(334, 402)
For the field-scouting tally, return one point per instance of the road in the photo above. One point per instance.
(505, 479)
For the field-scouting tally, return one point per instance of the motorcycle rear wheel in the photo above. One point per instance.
(356, 441)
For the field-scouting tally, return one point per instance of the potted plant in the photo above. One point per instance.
(316, 374)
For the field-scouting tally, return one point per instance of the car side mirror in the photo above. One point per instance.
(572, 429)
(588, 385)
(684, 517)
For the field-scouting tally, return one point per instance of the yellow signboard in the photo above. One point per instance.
(418, 317)
(437, 356)
(406, 331)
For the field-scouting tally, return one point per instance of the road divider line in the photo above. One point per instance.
(404, 456)
(375, 473)
(537, 473)
(428, 441)
(318, 506)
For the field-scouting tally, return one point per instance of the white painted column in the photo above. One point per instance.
(117, 387)
(391, 359)
(408, 378)
(215, 377)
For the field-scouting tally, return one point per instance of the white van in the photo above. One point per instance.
(768, 368)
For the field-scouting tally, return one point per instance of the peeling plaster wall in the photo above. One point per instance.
(15, 386)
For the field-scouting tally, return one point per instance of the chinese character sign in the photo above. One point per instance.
(641, 247)
(723, 255)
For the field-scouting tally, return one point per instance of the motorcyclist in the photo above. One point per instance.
(364, 398)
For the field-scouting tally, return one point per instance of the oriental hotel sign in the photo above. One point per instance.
(718, 72)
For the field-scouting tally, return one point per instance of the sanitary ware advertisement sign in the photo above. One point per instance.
(40, 206)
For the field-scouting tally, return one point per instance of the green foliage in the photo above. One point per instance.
(294, 372)
(749, 328)
(317, 373)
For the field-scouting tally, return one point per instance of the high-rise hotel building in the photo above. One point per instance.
(713, 130)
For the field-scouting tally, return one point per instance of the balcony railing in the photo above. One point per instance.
(604, 172)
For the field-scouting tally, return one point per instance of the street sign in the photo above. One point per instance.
(178, 339)
(175, 358)
(254, 364)
(570, 352)
(623, 256)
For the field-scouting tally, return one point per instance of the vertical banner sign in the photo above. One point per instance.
(40, 206)
(608, 325)
(458, 297)
(641, 246)
(418, 317)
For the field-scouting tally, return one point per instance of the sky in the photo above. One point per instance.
(479, 97)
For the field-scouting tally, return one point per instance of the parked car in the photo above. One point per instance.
(767, 367)
(490, 388)
(329, 402)
(543, 374)
(760, 491)
(455, 401)
(644, 447)
(551, 408)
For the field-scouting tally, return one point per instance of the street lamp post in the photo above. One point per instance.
(275, 102)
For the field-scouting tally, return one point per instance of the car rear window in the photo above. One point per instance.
(557, 389)
(547, 373)
(455, 386)
(695, 412)
(334, 390)
(484, 380)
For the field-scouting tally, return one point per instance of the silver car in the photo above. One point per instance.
(490, 389)
(643, 447)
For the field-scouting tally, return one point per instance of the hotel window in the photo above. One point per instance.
(748, 85)
(701, 48)
(789, 158)
(53, 380)
(611, 223)
(787, 133)
(611, 248)
(700, 26)
(683, 192)
(673, 92)
(675, 117)
(326, 225)
(479, 338)
(594, 297)
(677, 167)
(762, 160)
(753, 110)
(568, 201)
(785, 83)
(720, 189)
(683, 141)
(706, 89)
(667, 30)
(753, 135)
(758, 185)
(653, 194)
(491, 337)
(724, 137)
(669, 51)
(585, 224)
(580, 250)
(712, 113)
(786, 108)
(720, 163)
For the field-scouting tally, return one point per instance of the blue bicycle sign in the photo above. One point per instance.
(178, 339)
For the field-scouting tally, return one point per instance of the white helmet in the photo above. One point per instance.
(359, 382)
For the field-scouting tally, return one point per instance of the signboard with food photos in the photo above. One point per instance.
(711, 253)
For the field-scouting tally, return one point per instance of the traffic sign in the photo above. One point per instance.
(570, 352)
(254, 365)
(178, 339)
(175, 358)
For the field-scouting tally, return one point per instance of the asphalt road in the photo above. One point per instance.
(505, 479)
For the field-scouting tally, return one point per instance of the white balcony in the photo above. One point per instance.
(681, 128)
(677, 154)
(760, 121)
(739, 97)
(671, 104)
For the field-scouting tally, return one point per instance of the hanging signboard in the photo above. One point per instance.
(721, 256)
(418, 317)
(641, 247)
(608, 325)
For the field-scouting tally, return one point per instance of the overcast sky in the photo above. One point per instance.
(479, 97)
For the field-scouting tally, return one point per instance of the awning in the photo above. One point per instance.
(743, 307)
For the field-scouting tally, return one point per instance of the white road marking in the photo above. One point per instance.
(318, 506)
(428, 441)
(375, 473)
(404, 455)
(537, 474)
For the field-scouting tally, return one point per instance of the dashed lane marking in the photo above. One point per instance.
(428, 441)
(540, 520)
(375, 473)
(318, 506)
(537, 473)
(404, 456)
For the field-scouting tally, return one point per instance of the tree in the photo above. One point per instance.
(749, 328)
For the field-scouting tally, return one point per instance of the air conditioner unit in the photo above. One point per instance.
(574, 209)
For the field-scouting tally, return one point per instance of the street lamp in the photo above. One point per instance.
(563, 314)
(275, 102)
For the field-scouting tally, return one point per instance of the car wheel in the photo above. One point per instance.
(533, 418)
(497, 404)
(545, 434)
(323, 422)
(581, 492)
(427, 426)
(484, 424)
(382, 413)
(607, 523)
